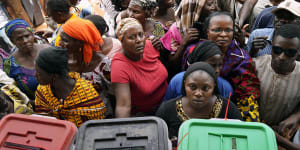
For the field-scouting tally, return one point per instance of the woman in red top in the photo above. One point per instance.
(139, 79)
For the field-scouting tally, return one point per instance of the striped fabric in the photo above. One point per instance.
(279, 94)
(188, 12)
(82, 104)
(262, 33)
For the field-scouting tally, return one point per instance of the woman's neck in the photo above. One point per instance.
(96, 59)
(164, 15)
(194, 112)
(31, 53)
(61, 87)
(162, 12)
(67, 17)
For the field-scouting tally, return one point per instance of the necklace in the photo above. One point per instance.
(214, 114)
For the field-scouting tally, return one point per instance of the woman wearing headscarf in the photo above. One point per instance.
(62, 95)
(137, 75)
(20, 64)
(187, 29)
(209, 52)
(200, 99)
(84, 43)
(143, 10)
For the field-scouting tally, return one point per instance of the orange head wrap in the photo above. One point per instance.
(84, 30)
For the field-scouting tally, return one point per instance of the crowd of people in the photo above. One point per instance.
(172, 59)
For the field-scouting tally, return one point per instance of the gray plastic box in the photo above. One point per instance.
(141, 133)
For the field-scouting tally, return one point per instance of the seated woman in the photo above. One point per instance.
(64, 96)
(208, 52)
(137, 75)
(20, 64)
(238, 67)
(200, 99)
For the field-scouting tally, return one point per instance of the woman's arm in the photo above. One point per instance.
(286, 143)
(191, 35)
(246, 90)
(123, 100)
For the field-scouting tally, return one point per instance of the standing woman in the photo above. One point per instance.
(200, 99)
(165, 13)
(143, 10)
(238, 67)
(139, 79)
(63, 95)
(186, 30)
(84, 44)
(20, 64)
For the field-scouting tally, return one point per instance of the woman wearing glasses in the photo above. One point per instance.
(238, 67)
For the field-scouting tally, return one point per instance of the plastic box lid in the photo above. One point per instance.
(201, 134)
(26, 132)
(141, 133)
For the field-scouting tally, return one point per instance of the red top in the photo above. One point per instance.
(147, 78)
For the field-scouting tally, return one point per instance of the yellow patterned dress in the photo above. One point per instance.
(82, 104)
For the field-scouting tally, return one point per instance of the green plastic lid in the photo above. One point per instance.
(202, 134)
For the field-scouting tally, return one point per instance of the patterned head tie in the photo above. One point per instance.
(124, 25)
(150, 6)
(15, 24)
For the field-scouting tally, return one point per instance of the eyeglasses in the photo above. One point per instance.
(288, 52)
(219, 30)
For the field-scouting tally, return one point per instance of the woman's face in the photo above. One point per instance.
(209, 7)
(23, 39)
(42, 76)
(220, 30)
(56, 16)
(133, 43)
(75, 54)
(216, 62)
(199, 88)
(137, 12)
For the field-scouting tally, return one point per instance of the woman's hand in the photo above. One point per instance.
(285, 142)
(44, 33)
(240, 34)
(190, 36)
(289, 124)
(156, 43)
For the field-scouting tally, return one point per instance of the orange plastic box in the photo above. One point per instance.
(23, 132)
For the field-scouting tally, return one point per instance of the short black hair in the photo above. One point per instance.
(217, 13)
(59, 5)
(288, 31)
(99, 22)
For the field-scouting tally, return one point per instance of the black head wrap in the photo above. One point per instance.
(54, 60)
(203, 51)
(204, 67)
